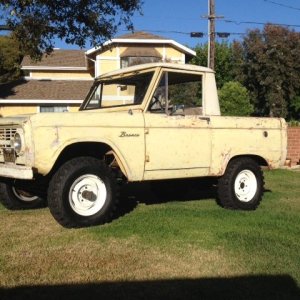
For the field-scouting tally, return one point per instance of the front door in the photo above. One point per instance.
(177, 135)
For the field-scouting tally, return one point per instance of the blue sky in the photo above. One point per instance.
(185, 16)
(164, 17)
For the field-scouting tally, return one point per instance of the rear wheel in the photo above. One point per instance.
(83, 193)
(242, 185)
(14, 198)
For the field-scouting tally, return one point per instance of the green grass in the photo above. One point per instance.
(265, 241)
(191, 243)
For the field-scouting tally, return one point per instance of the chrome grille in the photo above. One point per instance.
(6, 134)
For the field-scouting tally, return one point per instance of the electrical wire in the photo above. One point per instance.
(185, 33)
(282, 5)
(260, 23)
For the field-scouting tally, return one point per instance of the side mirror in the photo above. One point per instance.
(178, 109)
(122, 87)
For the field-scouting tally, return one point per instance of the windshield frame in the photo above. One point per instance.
(101, 82)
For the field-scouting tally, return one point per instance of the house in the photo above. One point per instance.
(61, 80)
(136, 48)
(58, 82)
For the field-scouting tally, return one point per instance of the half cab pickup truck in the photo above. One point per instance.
(149, 122)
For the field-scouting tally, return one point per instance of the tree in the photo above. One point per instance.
(226, 65)
(35, 23)
(271, 70)
(10, 58)
(295, 108)
(235, 100)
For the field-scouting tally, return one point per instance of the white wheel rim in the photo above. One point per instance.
(23, 196)
(245, 186)
(87, 195)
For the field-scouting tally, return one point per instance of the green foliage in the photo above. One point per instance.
(235, 100)
(36, 23)
(226, 64)
(188, 93)
(10, 58)
(294, 123)
(267, 63)
(271, 70)
(295, 107)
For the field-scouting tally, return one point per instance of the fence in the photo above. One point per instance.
(293, 149)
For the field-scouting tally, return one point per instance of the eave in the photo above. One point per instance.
(143, 41)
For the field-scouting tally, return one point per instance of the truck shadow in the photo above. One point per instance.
(158, 192)
(244, 287)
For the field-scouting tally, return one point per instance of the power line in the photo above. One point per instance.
(282, 5)
(160, 31)
(198, 34)
(220, 34)
(4, 27)
(260, 23)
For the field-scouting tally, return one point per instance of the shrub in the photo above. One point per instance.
(235, 100)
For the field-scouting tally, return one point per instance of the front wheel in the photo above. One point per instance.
(242, 185)
(14, 198)
(83, 193)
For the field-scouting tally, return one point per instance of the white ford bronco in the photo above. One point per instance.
(149, 122)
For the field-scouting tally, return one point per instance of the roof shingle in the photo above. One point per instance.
(58, 58)
(141, 35)
(45, 90)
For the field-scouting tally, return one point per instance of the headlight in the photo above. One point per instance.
(17, 142)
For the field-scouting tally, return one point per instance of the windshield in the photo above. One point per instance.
(128, 90)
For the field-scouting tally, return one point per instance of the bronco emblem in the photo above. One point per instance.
(125, 134)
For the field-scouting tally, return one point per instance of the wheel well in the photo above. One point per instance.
(260, 160)
(92, 149)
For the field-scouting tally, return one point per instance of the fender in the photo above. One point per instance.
(44, 167)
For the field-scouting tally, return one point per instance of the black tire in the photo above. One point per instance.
(242, 185)
(16, 199)
(83, 192)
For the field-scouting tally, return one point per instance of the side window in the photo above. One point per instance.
(178, 94)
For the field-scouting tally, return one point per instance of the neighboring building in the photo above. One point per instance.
(60, 81)
(136, 48)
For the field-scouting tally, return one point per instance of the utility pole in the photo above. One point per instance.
(211, 34)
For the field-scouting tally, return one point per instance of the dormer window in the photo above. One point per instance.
(139, 55)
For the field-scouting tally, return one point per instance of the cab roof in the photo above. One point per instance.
(142, 67)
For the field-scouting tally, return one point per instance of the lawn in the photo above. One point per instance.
(185, 248)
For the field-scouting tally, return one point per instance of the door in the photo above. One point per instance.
(177, 135)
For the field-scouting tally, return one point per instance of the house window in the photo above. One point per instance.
(44, 109)
(132, 60)
(139, 55)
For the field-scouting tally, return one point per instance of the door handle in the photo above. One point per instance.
(207, 119)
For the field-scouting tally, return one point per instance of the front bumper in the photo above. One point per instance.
(16, 171)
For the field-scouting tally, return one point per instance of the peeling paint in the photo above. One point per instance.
(55, 143)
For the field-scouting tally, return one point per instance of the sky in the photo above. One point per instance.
(176, 19)
(163, 17)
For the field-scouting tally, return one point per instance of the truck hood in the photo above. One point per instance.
(102, 117)
(15, 120)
